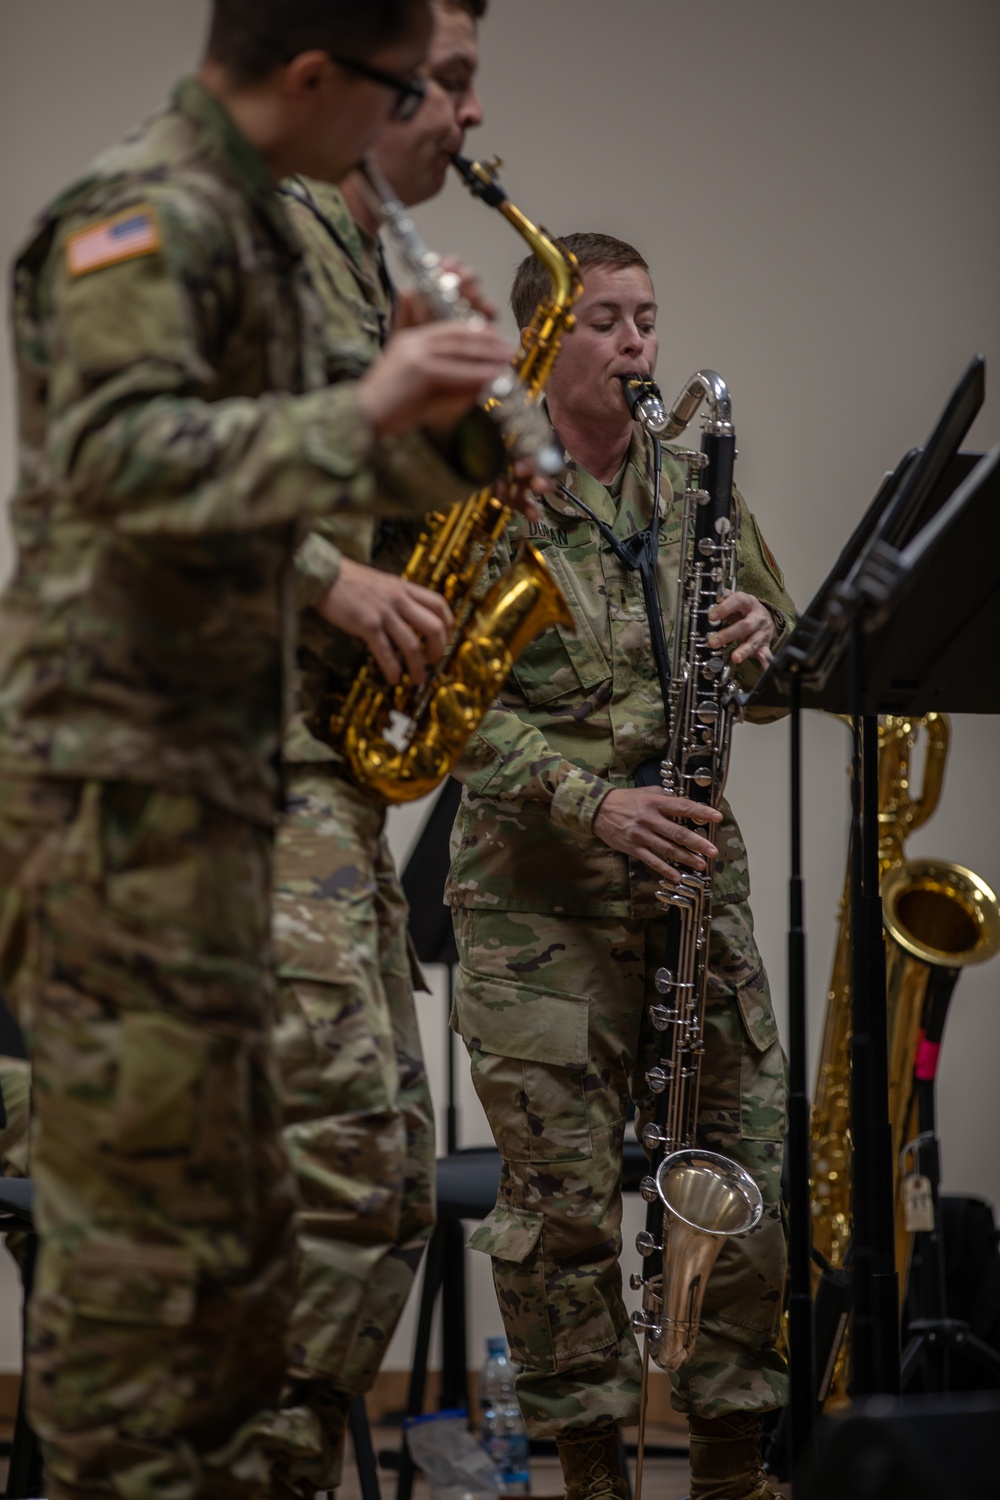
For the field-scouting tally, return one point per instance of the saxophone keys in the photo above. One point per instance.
(647, 1190)
(661, 1016)
(636, 1282)
(664, 981)
(653, 1136)
(645, 1244)
(643, 1324)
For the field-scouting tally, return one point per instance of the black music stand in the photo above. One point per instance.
(862, 648)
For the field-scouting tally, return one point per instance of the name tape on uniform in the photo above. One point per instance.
(123, 237)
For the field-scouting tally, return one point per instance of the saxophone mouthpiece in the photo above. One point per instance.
(481, 180)
(645, 403)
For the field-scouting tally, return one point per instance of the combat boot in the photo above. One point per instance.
(591, 1463)
(725, 1458)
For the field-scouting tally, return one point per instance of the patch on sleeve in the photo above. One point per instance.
(123, 237)
(768, 555)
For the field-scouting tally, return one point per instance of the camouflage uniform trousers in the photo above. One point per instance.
(359, 1122)
(553, 1011)
(134, 948)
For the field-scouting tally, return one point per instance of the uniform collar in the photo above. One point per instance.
(638, 473)
(224, 142)
(331, 203)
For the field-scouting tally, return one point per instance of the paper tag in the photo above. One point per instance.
(918, 1204)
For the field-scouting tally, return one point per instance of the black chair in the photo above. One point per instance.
(17, 1198)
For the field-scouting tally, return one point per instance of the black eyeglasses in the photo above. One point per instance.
(409, 91)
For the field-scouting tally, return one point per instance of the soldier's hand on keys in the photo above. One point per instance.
(412, 310)
(746, 624)
(429, 376)
(639, 821)
(399, 622)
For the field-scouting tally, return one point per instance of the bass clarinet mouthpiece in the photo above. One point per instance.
(645, 403)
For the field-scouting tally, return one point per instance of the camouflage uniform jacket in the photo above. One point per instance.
(177, 419)
(580, 712)
(347, 270)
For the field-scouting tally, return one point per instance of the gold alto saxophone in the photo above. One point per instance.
(696, 1199)
(400, 742)
(939, 918)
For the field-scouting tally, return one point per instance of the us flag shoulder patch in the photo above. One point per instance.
(123, 237)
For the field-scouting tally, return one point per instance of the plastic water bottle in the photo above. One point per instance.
(501, 1425)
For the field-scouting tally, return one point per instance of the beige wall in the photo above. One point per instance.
(815, 189)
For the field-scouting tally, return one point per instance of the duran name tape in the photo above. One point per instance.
(123, 237)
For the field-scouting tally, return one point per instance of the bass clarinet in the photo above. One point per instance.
(695, 1198)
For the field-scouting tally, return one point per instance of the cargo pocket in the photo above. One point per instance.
(161, 1079)
(529, 1059)
(116, 1334)
(555, 1310)
(742, 1095)
(182, 1126)
(762, 1070)
(512, 1237)
(508, 1233)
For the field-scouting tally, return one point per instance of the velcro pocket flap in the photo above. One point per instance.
(508, 1233)
(150, 1284)
(510, 1019)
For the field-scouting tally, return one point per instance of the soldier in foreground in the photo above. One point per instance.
(360, 1126)
(179, 416)
(556, 859)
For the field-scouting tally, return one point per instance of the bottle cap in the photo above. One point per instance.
(496, 1345)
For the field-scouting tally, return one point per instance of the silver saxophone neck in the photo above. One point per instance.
(508, 402)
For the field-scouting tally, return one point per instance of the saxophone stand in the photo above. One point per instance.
(866, 645)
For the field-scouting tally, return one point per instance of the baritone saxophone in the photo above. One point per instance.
(400, 742)
(939, 918)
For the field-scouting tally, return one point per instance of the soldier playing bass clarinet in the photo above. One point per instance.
(557, 856)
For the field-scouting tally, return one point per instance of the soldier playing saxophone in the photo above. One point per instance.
(556, 860)
(359, 1121)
